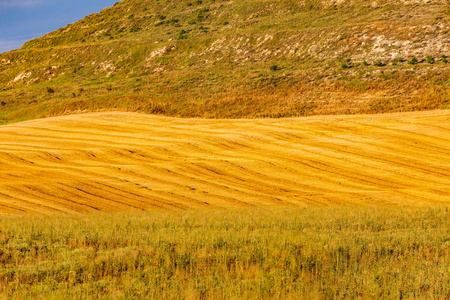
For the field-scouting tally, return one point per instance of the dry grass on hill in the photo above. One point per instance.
(236, 59)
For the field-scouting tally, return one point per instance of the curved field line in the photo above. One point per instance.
(117, 161)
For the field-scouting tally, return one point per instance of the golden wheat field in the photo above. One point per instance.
(112, 161)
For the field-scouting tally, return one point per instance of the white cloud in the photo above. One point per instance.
(19, 3)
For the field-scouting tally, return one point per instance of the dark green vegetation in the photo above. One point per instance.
(230, 59)
(317, 253)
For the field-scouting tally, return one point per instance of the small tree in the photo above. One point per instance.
(430, 59)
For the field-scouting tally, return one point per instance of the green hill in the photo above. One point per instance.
(236, 59)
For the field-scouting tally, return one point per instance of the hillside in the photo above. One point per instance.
(236, 59)
(117, 161)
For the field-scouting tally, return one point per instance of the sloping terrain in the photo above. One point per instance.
(236, 59)
(122, 161)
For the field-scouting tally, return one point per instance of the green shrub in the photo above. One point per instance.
(135, 29)
(430, 59)
(50, 90)
(201, 15)
(413, 61)
(182, 35)
(172, 21)
(365, 63)
(378, 64)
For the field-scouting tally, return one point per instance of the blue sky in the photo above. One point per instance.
(22, 20)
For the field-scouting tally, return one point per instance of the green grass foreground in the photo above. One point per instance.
(317, 253)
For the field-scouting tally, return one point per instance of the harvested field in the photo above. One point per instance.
(116, 161)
